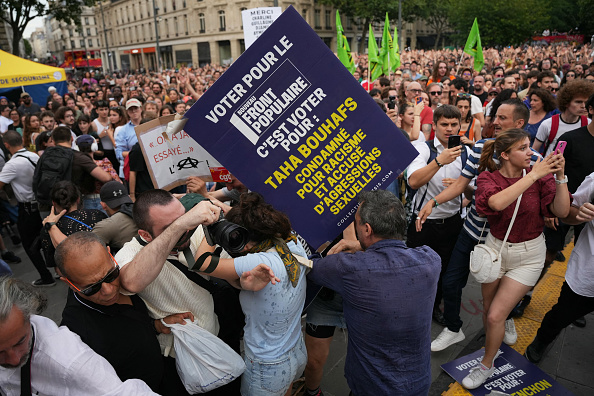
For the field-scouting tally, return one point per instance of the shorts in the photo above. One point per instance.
(264, 377)
(522, 261)
(326, 310)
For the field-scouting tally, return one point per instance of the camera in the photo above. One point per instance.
(229, 236)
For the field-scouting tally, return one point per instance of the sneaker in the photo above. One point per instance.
(560, 257)
(511, 336)
(477, 376)
(519, 309)
(10, 257)
(536, 350)
(42, 283)
(445, 339)
(580, 322)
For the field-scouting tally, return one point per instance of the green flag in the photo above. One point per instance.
(386, 48)
(342, 47)
(375, 66)
(474, 48)
(389, 52)
(395, 64)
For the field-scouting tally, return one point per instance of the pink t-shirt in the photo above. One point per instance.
(529, 221)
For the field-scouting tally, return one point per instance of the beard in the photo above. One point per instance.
(23, 359)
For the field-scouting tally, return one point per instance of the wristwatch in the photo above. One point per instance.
(562, 181)
(49, 225)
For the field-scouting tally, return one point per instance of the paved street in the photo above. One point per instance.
(570, 360)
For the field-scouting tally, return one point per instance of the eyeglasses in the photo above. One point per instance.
(435, 93)
(463, 95)
(417, 91)
(554, 89)
(95, 287)
(493, 94)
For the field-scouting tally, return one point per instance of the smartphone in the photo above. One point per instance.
(560, 147)
(454, 141)
(392, 102)
(418, 99)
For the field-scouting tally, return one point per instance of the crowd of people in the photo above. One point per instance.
(488, 170)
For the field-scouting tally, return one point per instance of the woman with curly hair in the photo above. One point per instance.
(275, 353)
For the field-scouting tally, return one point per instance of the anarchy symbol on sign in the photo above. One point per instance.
(187, 163)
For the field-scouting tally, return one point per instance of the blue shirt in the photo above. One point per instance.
(388, 294)
(125, 139)
(273, 314)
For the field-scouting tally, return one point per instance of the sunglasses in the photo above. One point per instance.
(95, 287)
(554, 89)
(493, 94)
(463, 95)
(435, 93)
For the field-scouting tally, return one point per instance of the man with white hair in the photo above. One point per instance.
(37, 357)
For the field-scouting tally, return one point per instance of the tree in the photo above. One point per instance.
(435, 13)
(501, 22)
(28, 48)
(368, 10)
(18, 14)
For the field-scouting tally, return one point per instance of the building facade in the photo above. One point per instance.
(39, 43)
(122, 34)
(76, 46)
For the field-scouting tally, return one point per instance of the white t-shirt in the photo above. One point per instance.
(4, 123)
(18, 171)
(580, 269)
(544, 131)
(476, 106)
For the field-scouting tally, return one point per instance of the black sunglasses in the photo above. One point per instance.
(554, 89)
(435, 93)
(95, 287)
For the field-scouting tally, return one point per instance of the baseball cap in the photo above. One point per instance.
(24, 94)
(133, 103)
(114, 194)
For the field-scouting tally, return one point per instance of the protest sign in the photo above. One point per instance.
(291, 122)
(256, 21)
(514, 375)
(171, 159)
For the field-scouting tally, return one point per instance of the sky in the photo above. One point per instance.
(34, 24)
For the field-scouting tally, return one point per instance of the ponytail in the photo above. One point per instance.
(486, 162)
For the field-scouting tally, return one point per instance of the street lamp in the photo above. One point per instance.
(155, 10)
(105, 34)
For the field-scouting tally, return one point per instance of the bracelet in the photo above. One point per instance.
(438, 164)
(562, 181)
(436, 203)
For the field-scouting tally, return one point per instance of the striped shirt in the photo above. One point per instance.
(474, 223)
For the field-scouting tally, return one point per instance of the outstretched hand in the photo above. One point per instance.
(257, 278)
(53, 217)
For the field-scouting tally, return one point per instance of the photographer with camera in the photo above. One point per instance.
(275, 353)
(154, 264)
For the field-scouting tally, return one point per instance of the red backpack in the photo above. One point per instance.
(555, 129)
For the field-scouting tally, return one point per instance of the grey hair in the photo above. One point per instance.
(384, 212)
(79, 240)
(14, 292)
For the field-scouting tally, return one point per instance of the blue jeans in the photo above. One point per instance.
(455, 278)
(263, 377)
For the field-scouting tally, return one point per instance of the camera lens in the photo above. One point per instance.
(230, 236)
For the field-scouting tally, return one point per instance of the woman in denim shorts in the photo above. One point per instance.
(522, 257)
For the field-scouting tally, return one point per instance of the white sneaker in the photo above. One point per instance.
(445, 339)
(511, 336)
(477, 376)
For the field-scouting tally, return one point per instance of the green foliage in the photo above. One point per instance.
(501, 22)
(28, 47)
(18, 14)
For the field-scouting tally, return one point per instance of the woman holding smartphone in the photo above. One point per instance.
(522, 257)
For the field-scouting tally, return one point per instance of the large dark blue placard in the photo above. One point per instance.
(514, 375)
(290, 122)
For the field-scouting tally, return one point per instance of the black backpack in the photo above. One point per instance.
(54, 165)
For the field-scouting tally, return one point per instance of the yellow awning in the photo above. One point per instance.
(16, 72)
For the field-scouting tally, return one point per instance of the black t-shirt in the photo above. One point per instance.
(578, 156)
(138, 165)
(123, 334)
(482, 96)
